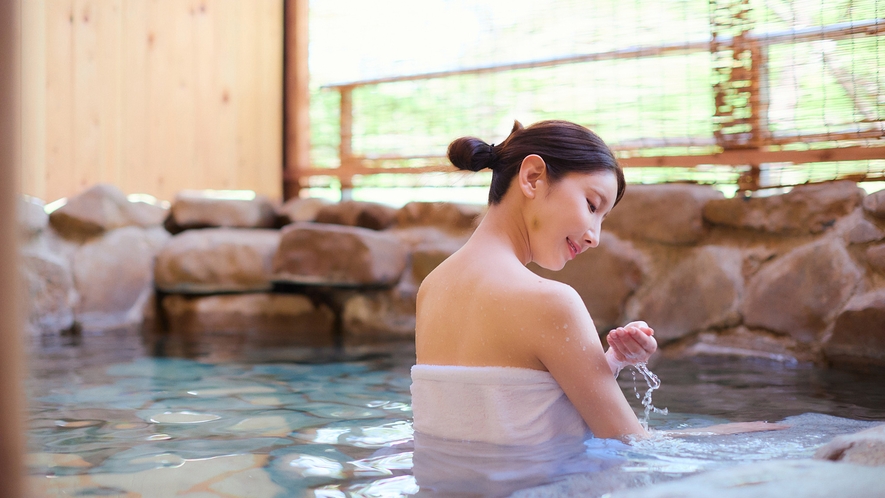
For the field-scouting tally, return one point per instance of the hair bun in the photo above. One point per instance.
(471, 154)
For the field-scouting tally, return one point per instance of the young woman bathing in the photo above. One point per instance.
(503, 355)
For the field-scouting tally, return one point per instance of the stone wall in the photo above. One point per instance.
(799, 276)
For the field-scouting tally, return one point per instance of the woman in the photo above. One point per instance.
(503, 355)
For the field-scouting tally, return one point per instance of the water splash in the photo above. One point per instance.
(653, 383)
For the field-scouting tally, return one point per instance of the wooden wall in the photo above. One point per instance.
(153, 96)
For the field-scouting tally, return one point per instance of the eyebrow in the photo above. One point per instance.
(601, 195)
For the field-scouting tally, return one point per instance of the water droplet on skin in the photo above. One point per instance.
(583, 348)
(565, 326)
(567, 339)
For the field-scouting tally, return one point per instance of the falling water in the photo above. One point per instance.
(653, 383)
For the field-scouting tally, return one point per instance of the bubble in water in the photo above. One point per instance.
(653, 383)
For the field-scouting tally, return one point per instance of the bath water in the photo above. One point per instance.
(117, 416)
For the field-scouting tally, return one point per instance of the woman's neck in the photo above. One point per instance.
(504, 228)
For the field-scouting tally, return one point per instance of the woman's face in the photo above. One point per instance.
(567, 220)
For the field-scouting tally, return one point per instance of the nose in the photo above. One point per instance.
(591, 237)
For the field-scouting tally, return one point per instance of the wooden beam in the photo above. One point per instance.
(750, 156)
(12, 408)
(296, 100)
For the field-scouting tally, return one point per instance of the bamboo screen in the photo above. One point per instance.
(746, 93)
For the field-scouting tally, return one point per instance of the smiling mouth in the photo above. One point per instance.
(573, 247)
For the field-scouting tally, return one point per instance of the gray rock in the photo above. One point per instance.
(113, 275)
(32, 219)
(217, 260)
(670, 214)
(102, 208)
(859, 334)
(358, 214)
(875, 204)
(333, 255)
(445, 215)
(801, 292)
(206, 208)
(260, 318)
(297, 209)
(862, 448)
(605, 277)
(702, 291)
(805, 209)
(49, 294)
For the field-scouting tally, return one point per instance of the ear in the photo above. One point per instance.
(532, 175)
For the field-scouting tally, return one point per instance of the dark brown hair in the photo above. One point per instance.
(564, 146)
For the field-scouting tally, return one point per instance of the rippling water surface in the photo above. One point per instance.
(112, 416)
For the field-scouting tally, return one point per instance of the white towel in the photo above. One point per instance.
(499, 405)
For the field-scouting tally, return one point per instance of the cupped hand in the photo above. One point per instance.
(631, 344)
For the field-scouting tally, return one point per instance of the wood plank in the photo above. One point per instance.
(137, 40)
(32, 178)
(297, 97)
(60, 167)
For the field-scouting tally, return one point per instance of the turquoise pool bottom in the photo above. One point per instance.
(106, 419)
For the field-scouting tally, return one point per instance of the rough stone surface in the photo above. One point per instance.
(774, 479)
(440, 214)
(217, 260)
(32, 219)
(200, 209)
(113, 275)
(862, 448)
(604, 277)
(260, 318)
(859, 333)
(801, 292)
(295, 210)
(744, 343)
(428, 255)
(702, 291)
(50, 295)
(101, 208)
(323, 254)
(864, 232)
(876, 257)
(875, 204)
(358, 214)
(670, 214)
(380, 315)
(805, 209)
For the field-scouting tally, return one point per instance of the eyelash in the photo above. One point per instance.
(592, 207)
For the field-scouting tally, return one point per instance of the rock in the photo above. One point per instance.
(358, 214)
(322, 254)
(217, 260)
(876, 257)
(801, 292)
(875, 204)
(32, 218)
(444, 215)
(298, 209)
(50, 294)
(102, 208)
(702, 291)
(744, 343)
(428, 255)
(805, 209)
(113, 275)
(862, 448)
(773, 479)
(864, 232)
(670, 213)
(604, 277)
(374, 316)
(263, 318)
(859, 334)
(211, 208)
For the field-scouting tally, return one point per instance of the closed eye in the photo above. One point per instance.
(592, 206)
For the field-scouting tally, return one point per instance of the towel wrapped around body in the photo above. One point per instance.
(498, 405)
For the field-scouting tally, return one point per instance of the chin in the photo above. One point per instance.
(552, 266)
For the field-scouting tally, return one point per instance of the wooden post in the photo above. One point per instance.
(345, 146)
(11, 354)
(296, 96)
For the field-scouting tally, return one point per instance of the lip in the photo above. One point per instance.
(572, 248)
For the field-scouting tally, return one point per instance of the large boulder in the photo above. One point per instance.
(866, 447)
(801, 292)
(333, 255)
(805, 209)
(259, 318)
(113, 275)
(670, 214)
(373, 316)
(445, 215)
(699, 292)
(49, 294)
(875, 204)
(358, 214)
(102, 208)
(217, 260)
(744, 343)
(605, 277)
(298, 209)
(864, 232)
(32, 218)
(876, 257)
(859, 334)
(209, 208)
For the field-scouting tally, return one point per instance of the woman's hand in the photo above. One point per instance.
(631, 344)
